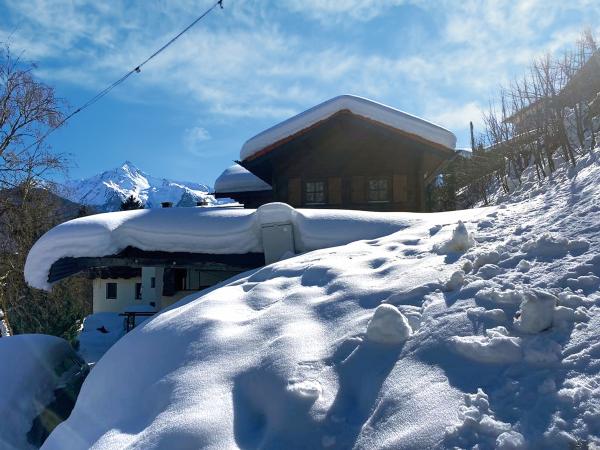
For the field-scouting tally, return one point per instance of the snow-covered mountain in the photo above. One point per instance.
(108, 189)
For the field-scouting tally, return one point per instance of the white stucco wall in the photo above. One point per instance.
(125, 294)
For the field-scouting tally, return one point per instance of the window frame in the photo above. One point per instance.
(138, 291)
(305, 192)
(388, 190)
(108, 286)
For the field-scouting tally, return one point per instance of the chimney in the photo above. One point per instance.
(166, 204)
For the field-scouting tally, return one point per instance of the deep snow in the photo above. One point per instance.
(496, 342)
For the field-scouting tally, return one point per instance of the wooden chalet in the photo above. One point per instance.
(349, 153)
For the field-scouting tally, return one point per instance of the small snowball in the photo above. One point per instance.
(456, 281)
(523, 265)
(536, 312)
(507, 297)
(388, 326)
(482, 259)
(489, 271)
(584, 282)
(467, 266)
(570, 300)
(497, 315)
(460, 242)
(510, 440)
(563, 315)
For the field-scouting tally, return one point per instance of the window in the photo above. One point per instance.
(379, 190)
(152, 282)
(111, 291)
(314, 192)
(138, 291)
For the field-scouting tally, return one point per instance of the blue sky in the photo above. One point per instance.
(255, 63)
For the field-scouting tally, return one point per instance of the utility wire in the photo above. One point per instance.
(137, 69)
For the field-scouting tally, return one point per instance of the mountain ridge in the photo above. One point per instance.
(108, 189)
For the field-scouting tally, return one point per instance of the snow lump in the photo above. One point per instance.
(536, 312)
(388, 326)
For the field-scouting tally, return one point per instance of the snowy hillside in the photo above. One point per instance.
(444, 334)
(108, 189)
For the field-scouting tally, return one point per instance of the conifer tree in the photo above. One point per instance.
(131, 203)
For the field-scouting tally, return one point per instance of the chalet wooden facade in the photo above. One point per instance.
(348, 158)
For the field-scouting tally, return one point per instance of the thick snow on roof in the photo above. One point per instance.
(300, 354)
(359, 106)
(238, 179)
(214, 230)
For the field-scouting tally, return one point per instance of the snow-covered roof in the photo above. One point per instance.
(359, 106)
(238, 179)
(202, 230)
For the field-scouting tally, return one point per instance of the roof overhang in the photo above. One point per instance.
(135, 258)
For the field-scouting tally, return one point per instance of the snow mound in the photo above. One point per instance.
(279, 357)
(536, 312)
(461, 241)
(357, 105)
(388, 326)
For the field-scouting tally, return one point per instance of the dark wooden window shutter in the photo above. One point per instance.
(358, 189)
(335, 190)
(294, 192)
(400, 188)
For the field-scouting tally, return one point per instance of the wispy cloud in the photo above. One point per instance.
(247, 62)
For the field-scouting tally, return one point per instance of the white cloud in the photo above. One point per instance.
(243, 61)
(454, 116)
(332, 12)
(193, 137)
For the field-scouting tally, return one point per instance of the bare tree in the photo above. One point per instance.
(29, 109)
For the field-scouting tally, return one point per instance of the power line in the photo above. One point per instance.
(136, 69)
